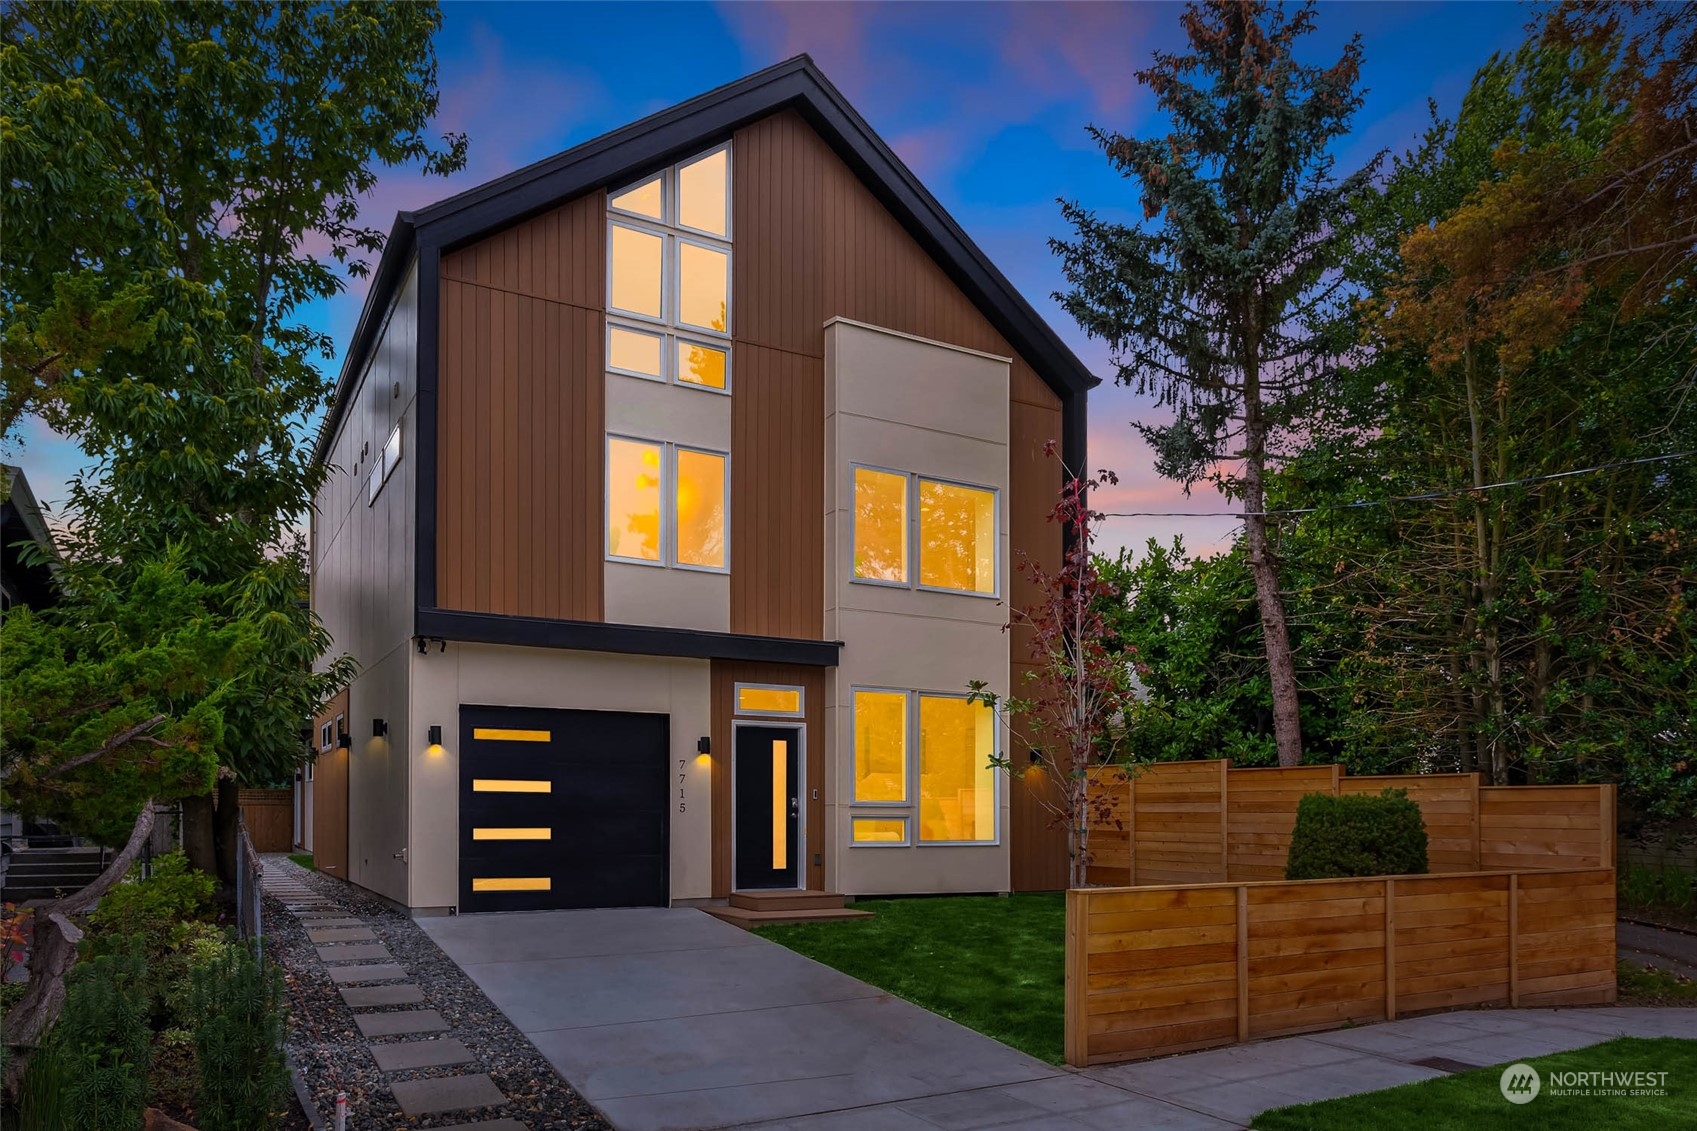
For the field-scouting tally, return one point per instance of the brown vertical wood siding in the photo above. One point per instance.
(521, 392)
(814, 243)
(330, 794)
(726, 675)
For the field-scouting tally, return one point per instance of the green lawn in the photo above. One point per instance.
(1474, 1101)
(993, 964)
(304, 859)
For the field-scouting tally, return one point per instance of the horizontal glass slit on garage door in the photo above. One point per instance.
(512, 883)
(510, 785)
(512, 834)
(507, 734)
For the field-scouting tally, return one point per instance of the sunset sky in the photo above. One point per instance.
(987, 103)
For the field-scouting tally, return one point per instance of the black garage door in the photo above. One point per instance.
(562, 809)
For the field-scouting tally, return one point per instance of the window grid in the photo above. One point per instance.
(908, 810)
(913, 565)
(667, 324)
(667, 541)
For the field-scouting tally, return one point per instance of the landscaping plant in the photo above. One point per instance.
(237, 1005)
(1357, 834)
(91, 1075)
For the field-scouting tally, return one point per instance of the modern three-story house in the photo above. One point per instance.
(679, 486)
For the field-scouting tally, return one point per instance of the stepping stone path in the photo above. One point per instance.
(353, 957)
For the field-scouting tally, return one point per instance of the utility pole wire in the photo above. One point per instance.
(1424, 497)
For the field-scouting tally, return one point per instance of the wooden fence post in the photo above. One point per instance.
(1077, 1018)
(1477, 855)
(1390, 950)
(1337, 778)
(1131, 828)
(1514, 939)
(1606, 826)
(1242, 963)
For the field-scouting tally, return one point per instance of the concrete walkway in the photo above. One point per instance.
(670, 1019)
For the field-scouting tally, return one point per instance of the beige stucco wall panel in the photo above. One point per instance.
(653, 410)
(671, 598)
(493, 675)
(378, 770)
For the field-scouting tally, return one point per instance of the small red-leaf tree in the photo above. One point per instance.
(1079, 690)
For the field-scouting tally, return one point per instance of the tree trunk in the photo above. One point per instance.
(200, 842)
(224, 825)
(52, 951)
(1281, 665)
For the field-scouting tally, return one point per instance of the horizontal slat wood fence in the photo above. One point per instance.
(270, 818)
(1204, 822)
(1164, 969)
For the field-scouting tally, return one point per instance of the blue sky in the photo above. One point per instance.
(986, 102)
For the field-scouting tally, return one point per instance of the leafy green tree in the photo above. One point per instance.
(182, 179)
(110, 703)
(1223, 308)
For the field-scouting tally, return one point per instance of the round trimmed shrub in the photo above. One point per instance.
(1357, 834)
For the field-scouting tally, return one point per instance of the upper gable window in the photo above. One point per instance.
(669, 274)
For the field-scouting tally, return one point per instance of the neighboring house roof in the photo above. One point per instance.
(659, 139)
(25, 583)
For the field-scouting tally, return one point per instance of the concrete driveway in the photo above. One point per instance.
(672, 1019)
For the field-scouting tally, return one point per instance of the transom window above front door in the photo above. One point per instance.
(669, 274)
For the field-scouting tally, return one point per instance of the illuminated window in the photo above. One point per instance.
(667, 505)
(957, 783)
(634, 472)
(704, 287)
(957, 537)
(701, 509)
(669, 267)
(704, 194)
(646, 199)
(880, 747)
(753, 699)
(637, 259)
(702, 365)
(634, 351)
(879, 830)
(880, 525)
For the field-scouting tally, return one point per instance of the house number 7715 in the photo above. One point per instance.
(681, 779)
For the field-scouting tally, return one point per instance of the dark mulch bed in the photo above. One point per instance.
(326, 1045)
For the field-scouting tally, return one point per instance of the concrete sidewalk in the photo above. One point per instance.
(670, 1019)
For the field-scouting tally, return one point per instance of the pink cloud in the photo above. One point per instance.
(1054, 47)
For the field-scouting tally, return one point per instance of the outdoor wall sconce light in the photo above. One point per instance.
(435, 736)
(345, 740)
(704, 745)
(379, 728)
(1035, 757)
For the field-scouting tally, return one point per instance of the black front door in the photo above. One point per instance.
(768, 806)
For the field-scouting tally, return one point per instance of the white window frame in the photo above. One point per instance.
(736, 700)
(670, 340)
(379, 476)
(674, 211)
(908, 783)
(677, 295)
(915, 543)
(668, 268)
(326, 737)
(906, 820)
(668, 504)
(908, 810)
(663, 177)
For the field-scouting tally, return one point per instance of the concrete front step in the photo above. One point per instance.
(744, 918)
(786, 900)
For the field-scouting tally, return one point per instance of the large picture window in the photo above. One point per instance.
(953, 537)
(927, 756)
(669, 275)
(667, 504)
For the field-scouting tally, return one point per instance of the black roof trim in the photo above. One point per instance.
(660, 138)
(398, 251)
(631, 639)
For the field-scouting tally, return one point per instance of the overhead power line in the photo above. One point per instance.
(1426, 496)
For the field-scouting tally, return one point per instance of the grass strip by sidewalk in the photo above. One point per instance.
(1473, 1101)
(994, 964)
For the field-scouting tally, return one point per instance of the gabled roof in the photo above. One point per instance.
(30, 583)
(657, 140)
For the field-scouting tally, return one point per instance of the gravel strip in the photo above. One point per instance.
(325, 1041)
